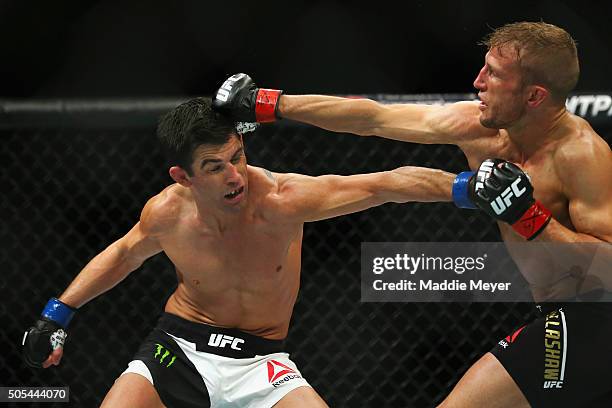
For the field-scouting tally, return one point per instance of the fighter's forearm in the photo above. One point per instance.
(102, 273)
(417, 184)
(357, 116)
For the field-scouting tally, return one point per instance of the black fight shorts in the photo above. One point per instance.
(564, 357)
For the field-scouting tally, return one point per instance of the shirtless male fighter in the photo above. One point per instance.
(529, 70)
(234, 234)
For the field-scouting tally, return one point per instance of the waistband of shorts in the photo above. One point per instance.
(221, 341)
(603, 306)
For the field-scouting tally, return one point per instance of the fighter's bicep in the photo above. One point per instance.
(298, 195)
(588, 186)
(156, 218)
(139, 244)
(304, 198)
(431, 124)
(592, 215)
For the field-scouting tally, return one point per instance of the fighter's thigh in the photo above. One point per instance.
(301, 397)
(132, 391)
(486, 384)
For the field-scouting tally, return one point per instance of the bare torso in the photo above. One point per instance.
(244, 276)
(539, 267)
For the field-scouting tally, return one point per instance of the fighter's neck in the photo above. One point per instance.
(218, 220)
(538, 130)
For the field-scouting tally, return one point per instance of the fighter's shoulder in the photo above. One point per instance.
(263, 186)
(273, 189)
(263, 181)
(582, 149)
(463, 120)
(261, 174)
(162, 210)
(264, 190)
(277, 183)
(467, 108)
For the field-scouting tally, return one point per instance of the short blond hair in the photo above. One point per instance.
(547, 54)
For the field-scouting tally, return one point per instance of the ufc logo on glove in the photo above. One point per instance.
(224, 92)
(504, 200)
(483, 173)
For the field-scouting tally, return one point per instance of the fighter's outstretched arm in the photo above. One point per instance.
(111, 266)
(300, 198)
(43, 342)
(120, 258)
(428, 124)
(240, 98)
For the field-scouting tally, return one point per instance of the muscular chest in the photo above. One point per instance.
(548, 188)
(257, 250)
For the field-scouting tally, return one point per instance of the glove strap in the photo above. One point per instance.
(533, 221)
(59, 312)
(266, 104)
(461, 195)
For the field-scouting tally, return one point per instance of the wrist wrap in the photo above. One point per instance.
(461, 195)
(58, 312)
(533, 221)
(266, 104)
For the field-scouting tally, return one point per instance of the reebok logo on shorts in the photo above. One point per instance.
(510, 339)
(555, 349)
(276, 370)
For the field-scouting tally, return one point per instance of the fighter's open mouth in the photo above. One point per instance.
(234, 193)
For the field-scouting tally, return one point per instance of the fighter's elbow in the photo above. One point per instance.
(123, 258)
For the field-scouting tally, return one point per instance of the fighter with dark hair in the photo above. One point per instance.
(234, 234)
(528, 72)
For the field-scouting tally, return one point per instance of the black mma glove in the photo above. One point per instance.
(48, 333)
(466, 183)
(240, 99)
(503, 191)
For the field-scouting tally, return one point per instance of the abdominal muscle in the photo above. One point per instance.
(265, 315)
(259, 302)
(548, 267)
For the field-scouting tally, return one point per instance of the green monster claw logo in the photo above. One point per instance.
(165, 354)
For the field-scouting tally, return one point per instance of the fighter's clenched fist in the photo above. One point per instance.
(240, 99)
(504, 191)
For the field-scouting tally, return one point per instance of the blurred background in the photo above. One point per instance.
(78, 165)
(160, 48)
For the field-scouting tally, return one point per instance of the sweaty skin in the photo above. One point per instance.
(570, 166)
(238, 259)
(246, 274)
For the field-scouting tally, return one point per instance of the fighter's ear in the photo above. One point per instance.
(179, 175)
(537, 95)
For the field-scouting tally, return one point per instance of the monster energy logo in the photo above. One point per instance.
(163, 355)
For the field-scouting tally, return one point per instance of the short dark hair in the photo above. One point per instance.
(190, 125)
(547, 54)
